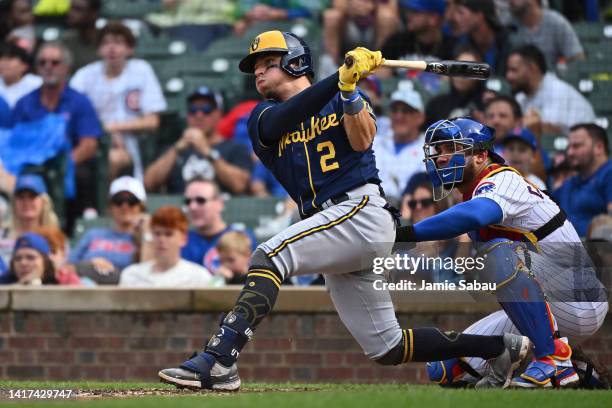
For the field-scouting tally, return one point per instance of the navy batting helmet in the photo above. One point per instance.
(467, 136)
(296, 60)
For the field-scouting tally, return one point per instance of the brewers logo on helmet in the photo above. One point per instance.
(296, 60)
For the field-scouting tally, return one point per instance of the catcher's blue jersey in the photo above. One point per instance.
(314, 162)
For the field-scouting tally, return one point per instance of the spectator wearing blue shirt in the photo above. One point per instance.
(589, 193)
(5, 114)
(83, 129)
(110, 250)
(204, 206)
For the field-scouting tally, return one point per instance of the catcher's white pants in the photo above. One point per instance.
(340, 242)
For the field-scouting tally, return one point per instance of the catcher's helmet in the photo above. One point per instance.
(296, 60)
(467, 136)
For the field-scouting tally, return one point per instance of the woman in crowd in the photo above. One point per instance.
(31, 207)
(110, 250)
(30, 263)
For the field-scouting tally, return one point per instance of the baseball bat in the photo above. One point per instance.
(465, 69)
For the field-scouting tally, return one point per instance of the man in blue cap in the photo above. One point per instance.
(423, 37)
(520, 149)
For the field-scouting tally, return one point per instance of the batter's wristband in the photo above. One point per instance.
(405, 234)
(354, 107)
(349, 97)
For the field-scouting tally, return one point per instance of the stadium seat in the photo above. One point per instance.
(155, 201)
(589, 32)
(250, 211)
(115, 9)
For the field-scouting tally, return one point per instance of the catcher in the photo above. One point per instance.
(316, 139)
(532, 249)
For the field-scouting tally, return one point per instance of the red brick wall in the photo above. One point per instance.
(135, 345)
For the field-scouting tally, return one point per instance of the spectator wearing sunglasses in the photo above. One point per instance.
(110, 250)
(204, 206)
(202, 152)
(418, 204)
(83, 129)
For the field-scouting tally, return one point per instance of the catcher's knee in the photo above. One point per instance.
(261, 261)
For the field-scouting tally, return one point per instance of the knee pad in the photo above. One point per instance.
(260, 261)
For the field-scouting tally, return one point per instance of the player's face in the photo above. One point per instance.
(114, 49)
(519, 155)
(446, 152)
(500, 117)
(167, 242)
(268, 75)
(517, 74)
(204, 207)
(29, 264)
(580, 149)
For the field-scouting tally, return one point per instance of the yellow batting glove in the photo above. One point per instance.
(364, 62)
(370, 60)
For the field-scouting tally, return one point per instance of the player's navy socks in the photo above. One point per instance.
(430, 344)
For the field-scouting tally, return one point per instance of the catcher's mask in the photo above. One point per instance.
(461, 137)
(296, 60)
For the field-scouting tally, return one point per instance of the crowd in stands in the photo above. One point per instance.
(85, 131)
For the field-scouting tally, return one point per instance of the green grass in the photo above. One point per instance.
(308, 395)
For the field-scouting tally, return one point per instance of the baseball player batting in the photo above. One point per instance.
(534, 253)
(316, 139)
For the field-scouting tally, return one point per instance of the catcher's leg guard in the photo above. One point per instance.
(519, 294)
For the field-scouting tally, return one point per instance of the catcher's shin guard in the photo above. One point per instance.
(519, 294)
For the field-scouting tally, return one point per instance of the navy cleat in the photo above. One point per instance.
(200, 372)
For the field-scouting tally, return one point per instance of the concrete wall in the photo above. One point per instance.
(111, 334)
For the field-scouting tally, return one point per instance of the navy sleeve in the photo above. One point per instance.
(459, 219)
(280, 118)
(86, 119)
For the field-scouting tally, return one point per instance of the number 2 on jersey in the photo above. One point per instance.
(331, 153)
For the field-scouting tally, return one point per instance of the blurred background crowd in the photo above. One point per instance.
(124, 155)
